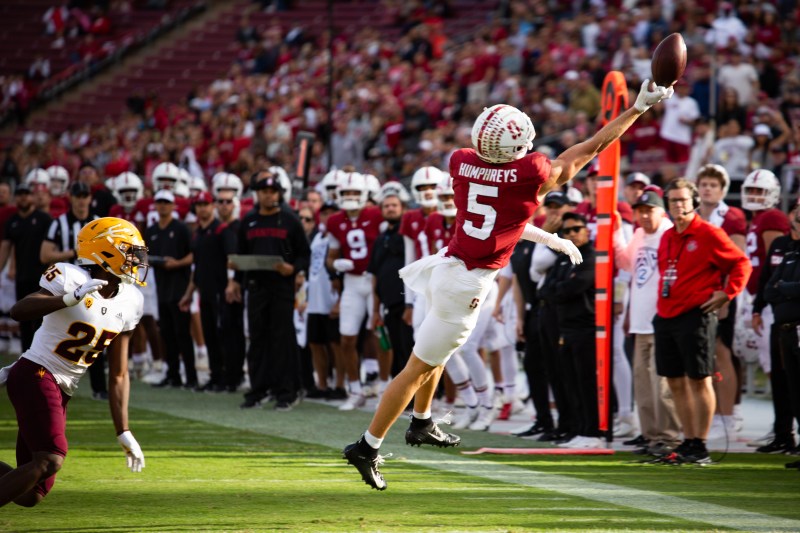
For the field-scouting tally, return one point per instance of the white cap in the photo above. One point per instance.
(164, 195)
(762, 129)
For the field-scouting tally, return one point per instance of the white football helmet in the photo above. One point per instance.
(373, 187)
(59, 179)
(182, 186)
(717, 170)
(502, 133)
(352, 181)
(165, 176)
(445, 197)
(226, 181)
(128, 189)
(764, 190)
(286, 182)
(394, 188)
(422, 177)
(38, 176)
(197, 185)
(328, 186)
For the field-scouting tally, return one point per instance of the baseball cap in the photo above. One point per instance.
(267, 182)
(637, 177)
(555, 197)
(203, 197)
(79, 188)
(650, 198)
(574, 196)
(762, 129)
(22, 188)
(165, 196)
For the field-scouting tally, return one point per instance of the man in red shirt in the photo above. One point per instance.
(693, 259)
(498, 186)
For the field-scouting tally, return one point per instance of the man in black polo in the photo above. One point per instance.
(25, 231)
(169, 246)
(211, 245)
(388, 257)
(60, 245)
(269, 229)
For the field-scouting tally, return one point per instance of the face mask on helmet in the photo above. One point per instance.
(423, 186)
(502, 133)
(351, 200)
(116, 246)
(128, 197)
(760, 190)
(445, 196)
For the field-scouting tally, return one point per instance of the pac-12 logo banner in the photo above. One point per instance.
(615, 100)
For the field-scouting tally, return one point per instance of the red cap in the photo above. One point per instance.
(203, 197)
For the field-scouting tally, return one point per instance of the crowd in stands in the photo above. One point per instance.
(404, 105)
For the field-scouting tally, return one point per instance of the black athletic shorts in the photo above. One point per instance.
(725, 326)
(685, 344)
(322, 329)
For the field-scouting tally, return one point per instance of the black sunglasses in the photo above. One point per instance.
(576, 229)
(223, 201)
(307, 219)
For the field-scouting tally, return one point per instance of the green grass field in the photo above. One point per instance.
(212, 467)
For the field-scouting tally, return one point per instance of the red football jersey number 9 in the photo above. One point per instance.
(486, 211)
(357, 242)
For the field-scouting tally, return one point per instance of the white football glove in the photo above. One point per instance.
(132, 450)
(343, 265)
(72, 298)
(648, 98)
(565, 246)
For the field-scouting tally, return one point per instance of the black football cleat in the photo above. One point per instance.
(427, 432)
(366, 460)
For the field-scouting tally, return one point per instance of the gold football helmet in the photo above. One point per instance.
(116, 246)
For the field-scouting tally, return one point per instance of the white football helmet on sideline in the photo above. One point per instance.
(182, 185)
(128, 189)
(445, 197)
(38, 176)
(422, 177)
(226, 181)
(760, 190)
(349, 182)
(373, 187)
(285, 181)
(328, 186)
(165, 176)
(59, 179)
(394, 188)
(197, 185)
(502, 133)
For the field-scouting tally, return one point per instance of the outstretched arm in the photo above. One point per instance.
(567, 165)
(119, 386)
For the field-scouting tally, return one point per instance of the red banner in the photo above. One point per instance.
(615, 101)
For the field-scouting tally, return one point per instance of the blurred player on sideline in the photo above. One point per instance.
(87, 309)
(498, 186)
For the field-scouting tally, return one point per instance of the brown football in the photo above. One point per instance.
(669, 60)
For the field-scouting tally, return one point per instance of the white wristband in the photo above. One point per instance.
(69, 299)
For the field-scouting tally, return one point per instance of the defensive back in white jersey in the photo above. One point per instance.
(70, 339)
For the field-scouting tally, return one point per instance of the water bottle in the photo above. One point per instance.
(383, 338)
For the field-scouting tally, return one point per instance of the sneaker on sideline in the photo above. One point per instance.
(355, 401)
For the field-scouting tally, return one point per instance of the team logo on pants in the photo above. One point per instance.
(474, 304)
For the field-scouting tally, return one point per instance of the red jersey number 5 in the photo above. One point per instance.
(486, 211)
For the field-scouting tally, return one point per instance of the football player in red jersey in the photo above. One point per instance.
(352, 234)
(761, 192)
(128, 189)
(713, 182)
(59, 180)
(498, 186)
(166, 176)
(423, 190)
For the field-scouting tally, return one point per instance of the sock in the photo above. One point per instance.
(484, 398)
(355, 388)
(370, 366)
(139, 358)
(467, 393)
(372, 440)
(423, 416)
